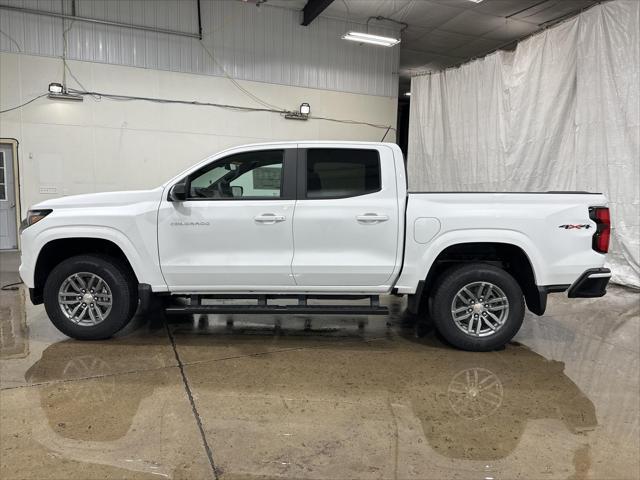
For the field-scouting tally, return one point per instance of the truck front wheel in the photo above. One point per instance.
(90, 297)
(477, 307)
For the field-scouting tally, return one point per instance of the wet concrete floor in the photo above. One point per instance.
(321, 397)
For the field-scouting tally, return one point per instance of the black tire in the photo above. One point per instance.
(452, 281)
(120, 281)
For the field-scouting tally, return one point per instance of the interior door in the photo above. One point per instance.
(234, 230)
(346, 219)
(8, 231)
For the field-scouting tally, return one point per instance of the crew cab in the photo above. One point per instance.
(321, 221)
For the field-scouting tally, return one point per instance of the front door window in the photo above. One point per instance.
(248, 175)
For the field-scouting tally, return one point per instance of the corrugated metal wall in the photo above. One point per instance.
(265, 44)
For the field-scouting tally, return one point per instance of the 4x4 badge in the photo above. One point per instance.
(571, 226)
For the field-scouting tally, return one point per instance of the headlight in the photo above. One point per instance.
(34, 216)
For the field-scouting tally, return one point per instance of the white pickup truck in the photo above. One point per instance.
(313, 220)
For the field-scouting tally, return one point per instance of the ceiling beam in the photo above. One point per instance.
(312, 9)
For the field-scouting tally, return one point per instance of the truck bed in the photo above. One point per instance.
(553, 228)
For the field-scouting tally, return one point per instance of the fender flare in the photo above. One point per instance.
(459, 237)
(415, 278)
(109, 234)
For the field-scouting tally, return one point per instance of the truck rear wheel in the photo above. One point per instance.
(477, 307)
(90, 297)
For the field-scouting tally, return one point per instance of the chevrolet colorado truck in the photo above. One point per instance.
(330, 222)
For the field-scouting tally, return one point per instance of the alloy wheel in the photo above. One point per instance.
(85, 298)
(480, 309)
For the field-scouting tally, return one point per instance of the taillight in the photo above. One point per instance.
(601, 238)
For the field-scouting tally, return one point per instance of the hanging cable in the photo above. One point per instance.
(385, 134)
(237, 108)
(66, 67)
(24, 104)
(348, 19)
(12, 40)
(113, 96)
(235, 82)
(351, 122)
(64, 51)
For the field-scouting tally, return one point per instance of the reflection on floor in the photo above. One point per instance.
(321, 398)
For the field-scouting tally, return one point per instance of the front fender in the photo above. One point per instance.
(143, 262)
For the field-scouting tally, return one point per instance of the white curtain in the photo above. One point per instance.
(561, 112)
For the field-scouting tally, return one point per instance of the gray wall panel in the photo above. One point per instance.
(264, 44)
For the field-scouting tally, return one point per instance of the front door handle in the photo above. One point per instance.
(269, 218)
(371, 218)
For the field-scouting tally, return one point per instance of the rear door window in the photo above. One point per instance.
(342, 172)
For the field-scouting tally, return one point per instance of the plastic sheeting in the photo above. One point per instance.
(561, 112)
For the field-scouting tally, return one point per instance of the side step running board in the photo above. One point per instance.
(280, 309)
(262, 307)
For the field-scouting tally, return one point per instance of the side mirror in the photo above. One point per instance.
(178, 193)
(237, 191)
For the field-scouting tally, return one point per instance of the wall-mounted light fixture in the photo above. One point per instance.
(57, 91)
(56, 88)
(302, 114)
(407, 94)
(372, 39)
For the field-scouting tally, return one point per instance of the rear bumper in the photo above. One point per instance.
(592, 283)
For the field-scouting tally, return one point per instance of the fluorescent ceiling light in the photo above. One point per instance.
(372, 39)
(475, 1)
(407, 94)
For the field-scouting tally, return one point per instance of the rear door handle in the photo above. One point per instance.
(269, 218)
(371, 218)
